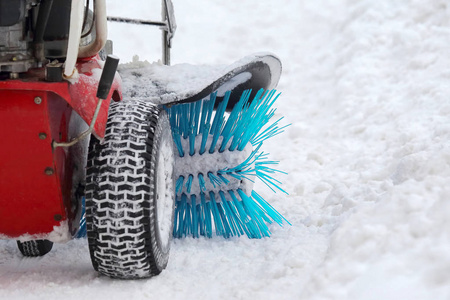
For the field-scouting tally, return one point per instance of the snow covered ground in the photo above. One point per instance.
(366, 86)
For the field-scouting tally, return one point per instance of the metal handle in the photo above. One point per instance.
(109, 70)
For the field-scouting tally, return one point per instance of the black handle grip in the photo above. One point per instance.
(109, 70)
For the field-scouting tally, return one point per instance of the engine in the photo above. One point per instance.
(32, 32)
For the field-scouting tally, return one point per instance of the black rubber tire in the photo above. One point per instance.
(130, 192)
(35, 248)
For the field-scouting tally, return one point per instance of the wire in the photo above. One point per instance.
(86, 10)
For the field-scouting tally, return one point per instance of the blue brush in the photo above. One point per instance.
(82, 231)
(218, 160)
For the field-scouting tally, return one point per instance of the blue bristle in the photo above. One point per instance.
(194, 216)
(222, 178)
(188, 219)
(230, 126)
(179, 222)
(232, 217)
(179, 184)
(223, 217)
(82, 232)
(244, 119)
(177, 141)
(275, 215)
(252, 210)
(189, 183)
(216, 128)
(193, 126)
(244, 218)
(223, 211)
(269, 132)
(216, 215)
(201, 182)
(215, 180)
(175, 129)
(206, 208)
(205, 122)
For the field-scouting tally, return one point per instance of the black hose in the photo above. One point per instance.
(86, 11)
(92, 23)
(42, 19)
(107, 77)
(41, 24)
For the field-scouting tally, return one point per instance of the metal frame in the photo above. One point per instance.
(167, 25)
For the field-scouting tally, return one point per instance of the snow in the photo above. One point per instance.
(365, 85)
(59, 234)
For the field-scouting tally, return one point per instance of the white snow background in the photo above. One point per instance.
(366, 86)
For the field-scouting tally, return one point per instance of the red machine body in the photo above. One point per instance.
(36, 192)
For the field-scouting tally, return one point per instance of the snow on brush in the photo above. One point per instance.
(366, 86)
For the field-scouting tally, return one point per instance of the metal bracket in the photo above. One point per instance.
(83, 134)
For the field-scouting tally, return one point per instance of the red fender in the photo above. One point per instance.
(36, 180)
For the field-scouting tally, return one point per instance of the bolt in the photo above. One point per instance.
(49, 171)
(57, 217)
(42, 135)
(38, 100)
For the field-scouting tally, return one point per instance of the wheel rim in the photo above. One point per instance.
(165, 193)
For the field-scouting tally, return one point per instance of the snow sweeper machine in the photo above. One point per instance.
(82, 157)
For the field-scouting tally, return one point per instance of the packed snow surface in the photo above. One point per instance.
(366, 86)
